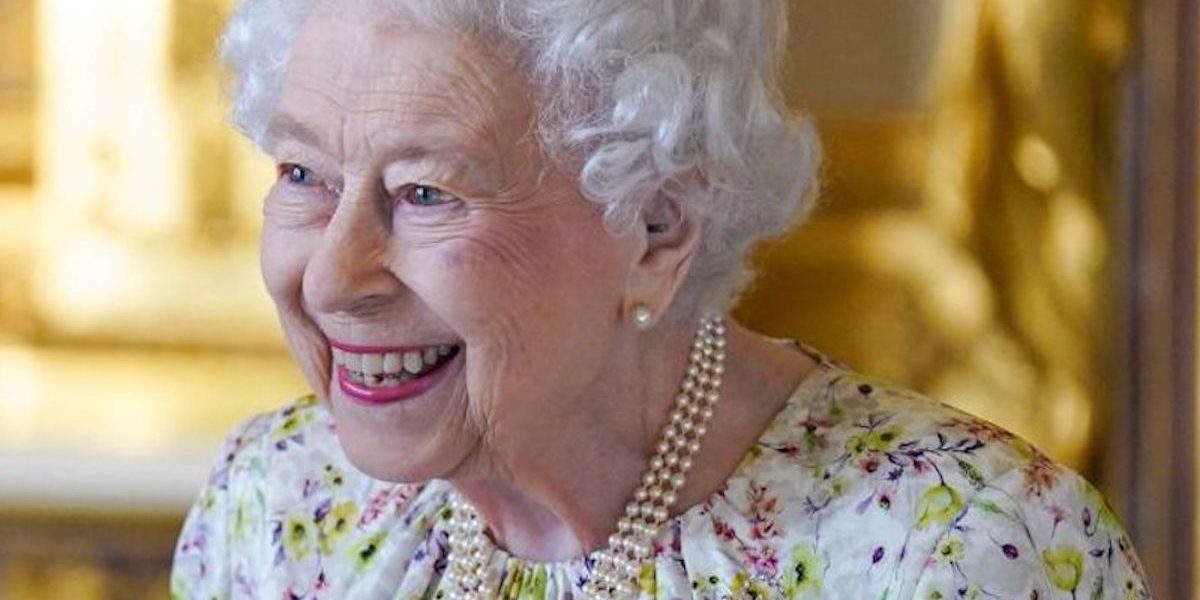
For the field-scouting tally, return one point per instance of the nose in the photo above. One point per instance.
(349, 271)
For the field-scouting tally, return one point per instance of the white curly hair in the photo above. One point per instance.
(640, 97)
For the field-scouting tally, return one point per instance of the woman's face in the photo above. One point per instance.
(447, 293)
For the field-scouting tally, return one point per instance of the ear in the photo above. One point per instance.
(670, 235)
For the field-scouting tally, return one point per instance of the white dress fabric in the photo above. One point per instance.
(857, 489)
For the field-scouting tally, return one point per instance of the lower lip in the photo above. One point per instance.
(379, 396)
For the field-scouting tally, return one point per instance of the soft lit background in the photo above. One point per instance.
(991, 206)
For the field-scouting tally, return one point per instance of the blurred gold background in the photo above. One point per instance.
(969, 246)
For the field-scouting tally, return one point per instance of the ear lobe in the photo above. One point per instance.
(671, 232)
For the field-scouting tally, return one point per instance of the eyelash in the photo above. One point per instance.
(417, 194)
(296, 174)
(414, 194)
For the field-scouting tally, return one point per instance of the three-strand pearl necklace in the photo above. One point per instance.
(615, 568)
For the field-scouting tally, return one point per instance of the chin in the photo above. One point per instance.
(385, 454)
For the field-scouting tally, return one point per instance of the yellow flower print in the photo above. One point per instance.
(949, 550)
(647, 582)
(938, 505)
(241, 521)
(333, 476)
(803, 575)
(337, 524)
(525, 583)
(1064, 567)
(858, 445)
(750, 589)
(298, 534)
(292, 424)
(884, 439)
(366, 550)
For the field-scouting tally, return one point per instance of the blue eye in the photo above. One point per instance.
(296, 174)
(426, 195)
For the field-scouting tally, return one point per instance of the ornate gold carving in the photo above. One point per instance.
(963, 246)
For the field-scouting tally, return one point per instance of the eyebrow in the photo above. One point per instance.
(286, 126)
(458, 154)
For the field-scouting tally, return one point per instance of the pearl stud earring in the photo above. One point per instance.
(642, 316)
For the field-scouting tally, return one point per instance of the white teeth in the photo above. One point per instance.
(372, 365)
(413, 362)
(391, 362)
(354, 362)
(375, 369)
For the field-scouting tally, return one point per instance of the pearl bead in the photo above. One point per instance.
(615, 568)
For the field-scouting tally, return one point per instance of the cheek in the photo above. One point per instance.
(523, 301)
(487, 280)
(290, 233)
(282, 266)
(284, 256)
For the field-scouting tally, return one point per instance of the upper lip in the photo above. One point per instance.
(380, 349)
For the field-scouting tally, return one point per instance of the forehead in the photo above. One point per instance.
(402, 74)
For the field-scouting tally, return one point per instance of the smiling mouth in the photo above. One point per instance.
(375, 370)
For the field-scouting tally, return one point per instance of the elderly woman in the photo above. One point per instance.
(501, 242)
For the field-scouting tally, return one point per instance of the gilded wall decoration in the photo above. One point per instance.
(963, 247)
(17, 84)
(148, 204)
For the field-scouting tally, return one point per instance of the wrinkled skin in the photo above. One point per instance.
(414, 208)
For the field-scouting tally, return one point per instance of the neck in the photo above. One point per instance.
(562, 497)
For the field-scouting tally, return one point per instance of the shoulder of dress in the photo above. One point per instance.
(298, 428)
(849, 420)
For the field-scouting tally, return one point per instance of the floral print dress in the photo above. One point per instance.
(857, 489)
